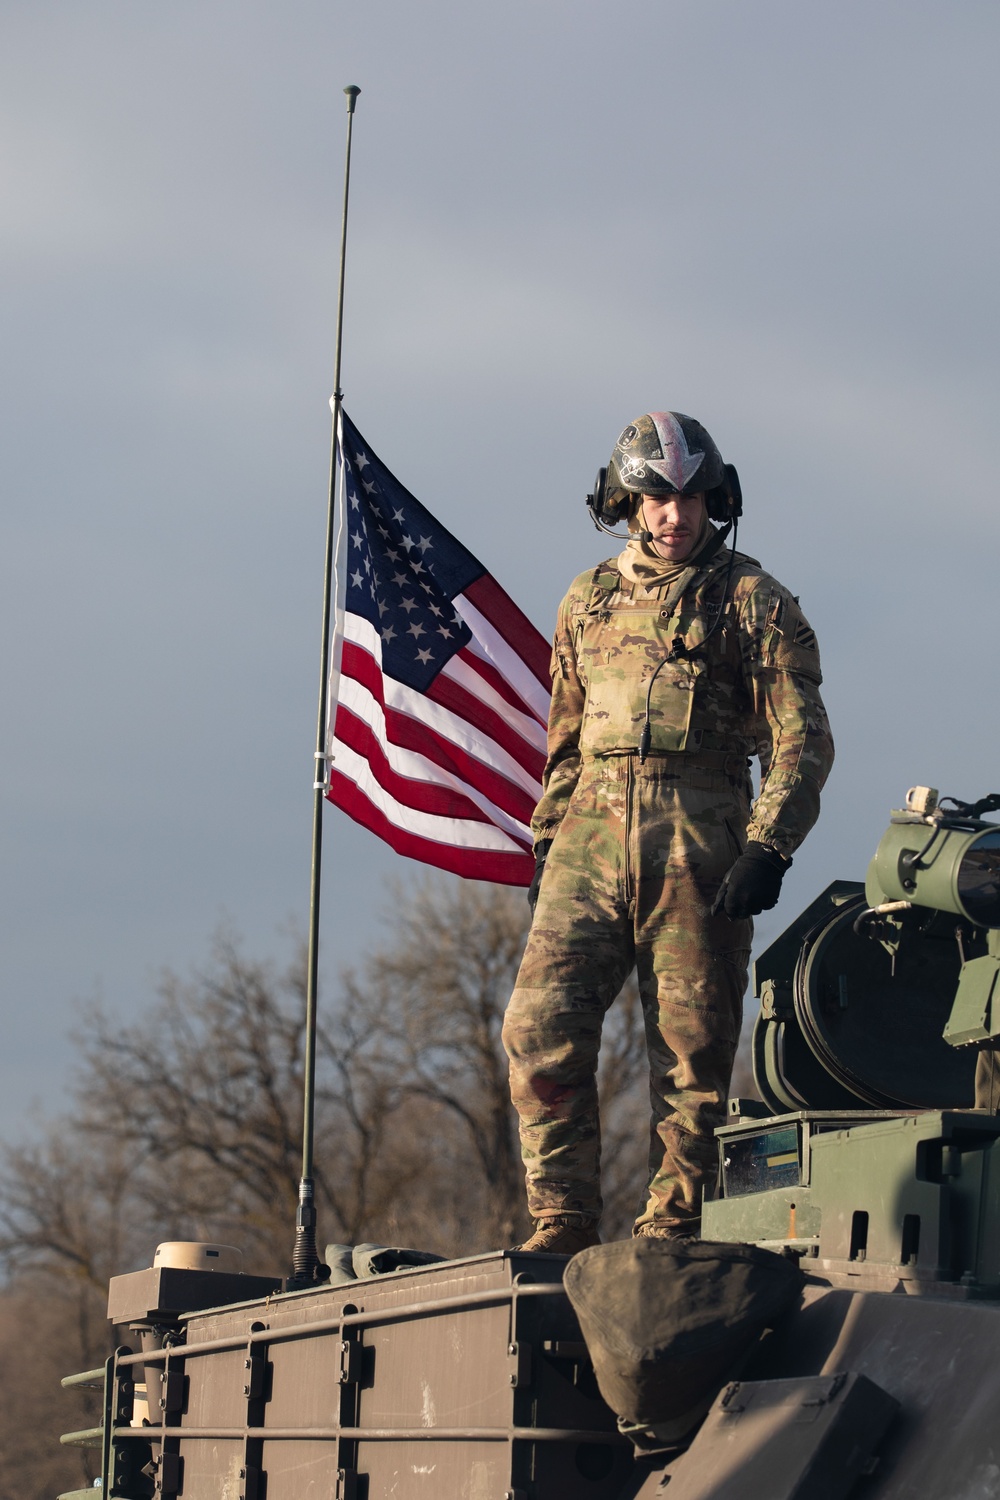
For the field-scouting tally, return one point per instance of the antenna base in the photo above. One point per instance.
(307, 1268)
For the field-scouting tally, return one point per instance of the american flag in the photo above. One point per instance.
(439, 689)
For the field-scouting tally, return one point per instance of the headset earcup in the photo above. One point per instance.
(725, 501)
(731, 481)
(609, 513)
(595, 500)
(600, 493)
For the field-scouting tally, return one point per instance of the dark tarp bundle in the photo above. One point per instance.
(666, 1322)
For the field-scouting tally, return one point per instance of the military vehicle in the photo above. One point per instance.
(865, 1174)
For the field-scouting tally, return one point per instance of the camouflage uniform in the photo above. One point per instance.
(638, 855)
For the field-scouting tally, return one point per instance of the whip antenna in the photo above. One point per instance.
(307, 1269)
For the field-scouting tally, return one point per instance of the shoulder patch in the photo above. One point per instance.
(583, 585)
(789, 641)
(607, 579)
(776, 632)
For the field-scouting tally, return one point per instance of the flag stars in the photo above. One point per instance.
(391, 575)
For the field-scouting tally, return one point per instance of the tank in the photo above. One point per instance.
(834, 1334)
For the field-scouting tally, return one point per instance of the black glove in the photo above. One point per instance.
(541, 855)
(753, 884)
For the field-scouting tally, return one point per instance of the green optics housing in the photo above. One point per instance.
(949, 862)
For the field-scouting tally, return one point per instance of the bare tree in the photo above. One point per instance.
(439, 991)
(65, 1227)
(186, 1124)
(440, 988)
(207, 1088)
(193, 1115)
(39, 1343)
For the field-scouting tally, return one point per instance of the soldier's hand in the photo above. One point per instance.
(541, 855)
(753, 884)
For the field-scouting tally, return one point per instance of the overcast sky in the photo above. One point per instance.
(779, 217)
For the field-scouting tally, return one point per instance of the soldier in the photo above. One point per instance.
(673, 664)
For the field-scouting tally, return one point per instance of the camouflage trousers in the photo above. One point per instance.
(630, 881)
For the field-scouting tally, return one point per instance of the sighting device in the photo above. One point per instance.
(879, 995)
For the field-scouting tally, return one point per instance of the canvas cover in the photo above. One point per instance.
(667, 1322)
(358, 1262)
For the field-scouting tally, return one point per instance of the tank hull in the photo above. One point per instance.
(468, 1378)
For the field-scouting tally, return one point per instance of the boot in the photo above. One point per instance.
(562, 1236)
(656, 1231)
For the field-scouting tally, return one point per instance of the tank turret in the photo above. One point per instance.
(832, 1335)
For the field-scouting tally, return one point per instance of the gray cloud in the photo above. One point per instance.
(774, 216)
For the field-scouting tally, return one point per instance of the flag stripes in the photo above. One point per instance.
(416, 781)
(436, 740)
(441, 842)
(420, 721)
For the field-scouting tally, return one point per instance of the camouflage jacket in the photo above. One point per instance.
(752, 691)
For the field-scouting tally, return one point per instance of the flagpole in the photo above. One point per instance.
(306, 1266)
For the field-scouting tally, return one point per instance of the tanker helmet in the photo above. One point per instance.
(665, 453)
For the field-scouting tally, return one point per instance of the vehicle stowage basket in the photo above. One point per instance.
(665, 1322)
